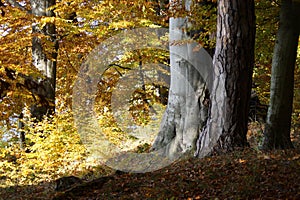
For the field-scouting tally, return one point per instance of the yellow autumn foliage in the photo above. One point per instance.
(53, 150)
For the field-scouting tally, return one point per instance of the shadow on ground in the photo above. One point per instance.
(247, 174)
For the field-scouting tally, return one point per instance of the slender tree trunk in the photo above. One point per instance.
(278, 125)
(21, 132)
(233, 62)
(46, 64)
(44, 88)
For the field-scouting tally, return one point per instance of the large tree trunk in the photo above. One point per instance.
(233, 62)
(277, 129)
(186, 110)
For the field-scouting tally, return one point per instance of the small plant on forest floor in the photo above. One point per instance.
(255, 134)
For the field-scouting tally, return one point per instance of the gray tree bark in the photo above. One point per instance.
(233, 62)
(278, 124)
(42, 89)
(186, 110)
(47, 65)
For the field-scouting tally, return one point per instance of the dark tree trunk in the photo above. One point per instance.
(233, 62)
(278, 125)
(21, 132)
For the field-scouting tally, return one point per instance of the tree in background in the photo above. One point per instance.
(44, 59)
(44, 55)
(278, 123)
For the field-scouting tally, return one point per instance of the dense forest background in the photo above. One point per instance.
(44, 45)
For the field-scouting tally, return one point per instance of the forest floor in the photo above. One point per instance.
(246, 174)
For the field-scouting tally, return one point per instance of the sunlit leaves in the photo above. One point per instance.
(53, 149)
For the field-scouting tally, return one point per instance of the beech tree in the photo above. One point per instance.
(278, 123)
(44, 59)
(224, 118)
(44, 48)
(190, 72)
(45, 63)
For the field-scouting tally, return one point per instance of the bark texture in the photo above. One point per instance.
(190, 75)
(46, 64)
(278, 125)
(233, 62)
(42, 89)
